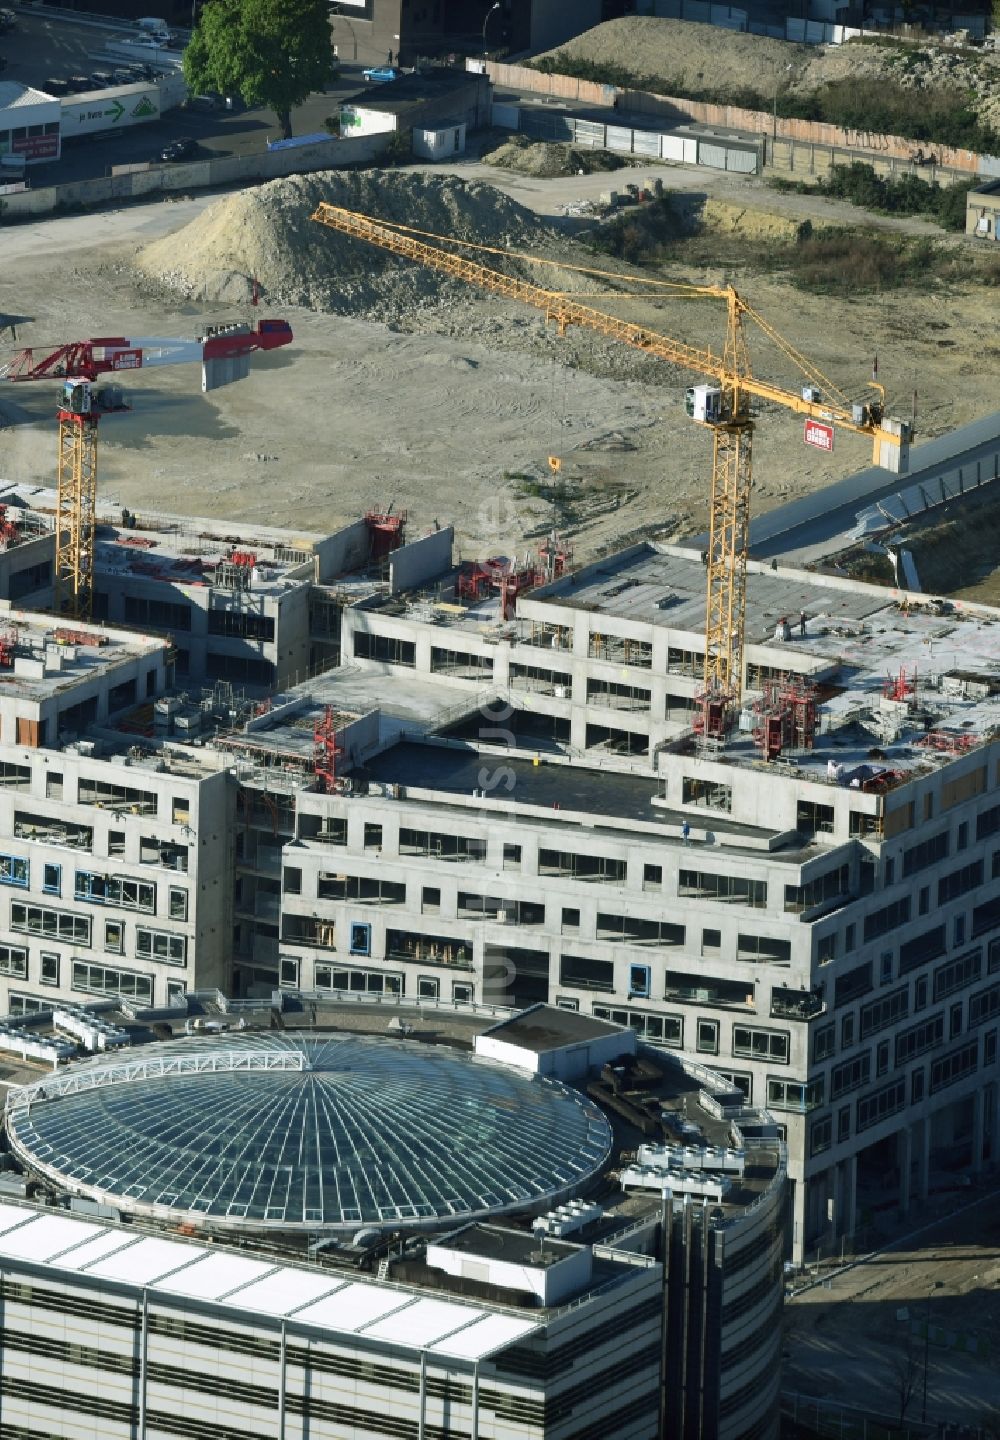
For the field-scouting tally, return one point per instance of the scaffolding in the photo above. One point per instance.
(386, 532)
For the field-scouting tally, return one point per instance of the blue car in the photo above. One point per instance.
(381, 74)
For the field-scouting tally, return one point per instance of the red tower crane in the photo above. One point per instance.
(224, 352)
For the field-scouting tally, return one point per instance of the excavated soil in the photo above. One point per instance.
(546, 159)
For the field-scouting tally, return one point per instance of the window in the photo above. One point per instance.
(116, 797)
(708, 1037)
(889, 872)
(373, 982)
(849, 937)
(986, 917)
(288, 972)
(890, 917)
(512, 857)
(962, 839)
(291, 881)
(919, 1039)
(114, 936)
(116, 890)
(847, 1032)
(707, 794)
(794, 1094)
(361, 939)
(52, 879)
(843, 1124)
(570, 918)
(177, 903)
(957, 973)
(885, 968)
(850, 1075)
(917, 1086)
(920, 994)
(49, 973)
(883, 1103)
(924, 900)
(764, 949)
(430, 899)
(984, 1005)
(882, 1057)
(960, 882)
(102, 980)
(585, 974)
(14, 871)
(373, 837)
(880, 1014)
(814, 819)
(826, 948)
(54, 785)
(990, 1048)
(14, 961)
(638, 982)
(955, 1020)
(853, 984)
(161, 945)
(180, 810)
(954, 1066)
(600, 868)
(652, 877)
(634, 931)
(59, 924)
(428, 987)
(732, 889)
(821, 1135)
(958, 930)
(761, 1044)
(824, 1042)
(988, 823)
(711, 940)
(461, 993)
(927, 852)
(657, 1029)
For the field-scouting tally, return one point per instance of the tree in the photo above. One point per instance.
(270, 52)
(904, 1366)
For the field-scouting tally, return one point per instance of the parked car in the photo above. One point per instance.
(56, 87)
(123, 77)
(101, 80)
(178, 150)
(8, 21)
(381, 74)
(145, 42)
(78, 84)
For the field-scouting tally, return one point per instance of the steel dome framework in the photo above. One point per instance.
(307, 1132)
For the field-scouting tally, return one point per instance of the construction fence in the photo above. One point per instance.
(127, 182)
(674, 112)
(720, 152)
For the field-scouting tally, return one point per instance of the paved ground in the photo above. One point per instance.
(851, 1339)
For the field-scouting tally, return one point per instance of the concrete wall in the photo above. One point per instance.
(344, 551)
(421, 560)
(205, 174)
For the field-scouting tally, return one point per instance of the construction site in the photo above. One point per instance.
(499, 624)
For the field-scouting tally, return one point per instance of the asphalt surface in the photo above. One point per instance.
(42, 47)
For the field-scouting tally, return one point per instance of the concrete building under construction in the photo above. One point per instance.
(506, 794)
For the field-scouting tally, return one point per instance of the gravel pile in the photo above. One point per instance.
(265, 235)
(546, 159)
(685, 55)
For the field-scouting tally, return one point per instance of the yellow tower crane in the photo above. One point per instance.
(723, 407)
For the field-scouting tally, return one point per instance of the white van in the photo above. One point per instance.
(152, 25)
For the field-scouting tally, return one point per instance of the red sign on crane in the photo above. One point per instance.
(818, 435)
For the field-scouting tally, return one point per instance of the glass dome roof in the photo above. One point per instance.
(309, 1131)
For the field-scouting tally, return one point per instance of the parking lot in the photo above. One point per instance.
(42, 47)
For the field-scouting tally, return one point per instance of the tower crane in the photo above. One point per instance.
(224, 352)
(723, 407)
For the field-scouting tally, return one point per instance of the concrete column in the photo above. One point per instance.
(977, 1132)
(904, 1158)
(924, 1160)
(848, 1177)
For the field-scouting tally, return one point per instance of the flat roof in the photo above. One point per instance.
(546, 1027)
(71, 651)
(516, 1247)
(407, 90)
(177, 1269)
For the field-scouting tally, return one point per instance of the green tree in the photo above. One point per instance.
(270, 52)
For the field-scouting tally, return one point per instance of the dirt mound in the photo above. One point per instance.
(266, 235)
(686, 57)
(547, 159)
(690, 55)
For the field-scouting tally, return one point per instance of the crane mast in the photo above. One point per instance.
(224, 353)
(729, 418)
